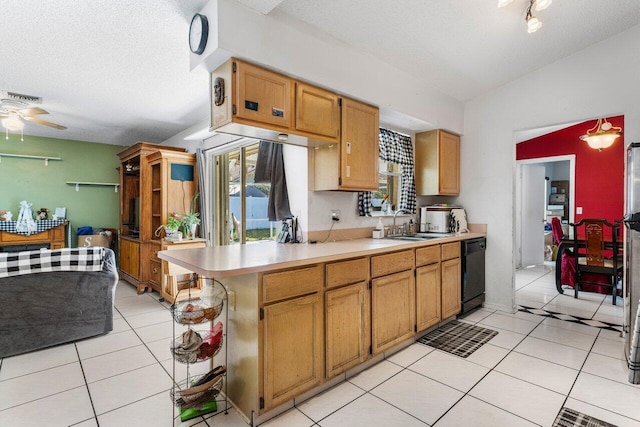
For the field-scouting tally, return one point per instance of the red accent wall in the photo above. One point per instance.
(599, 182)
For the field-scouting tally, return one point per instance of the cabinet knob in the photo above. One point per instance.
(155, 252)
(155, 270)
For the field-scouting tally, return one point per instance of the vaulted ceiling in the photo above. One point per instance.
(117, 71)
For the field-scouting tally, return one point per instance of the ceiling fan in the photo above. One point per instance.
(14, 113)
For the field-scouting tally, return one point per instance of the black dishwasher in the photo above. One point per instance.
(472, 273)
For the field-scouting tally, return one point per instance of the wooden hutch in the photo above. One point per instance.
(155, 182)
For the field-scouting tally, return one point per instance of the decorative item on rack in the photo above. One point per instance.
(533, 23)
(6, 215)
(602, 135)
(194, 311)
(199, 390)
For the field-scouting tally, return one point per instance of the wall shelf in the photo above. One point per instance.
(27, 156)
(115, 185)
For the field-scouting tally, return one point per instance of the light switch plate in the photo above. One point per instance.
(579, 211)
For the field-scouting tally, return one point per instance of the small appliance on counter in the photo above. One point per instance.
(438, 219)
(289, 232)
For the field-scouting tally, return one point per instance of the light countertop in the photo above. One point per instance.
(235, 260)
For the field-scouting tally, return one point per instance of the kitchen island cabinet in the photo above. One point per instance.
(301, 312)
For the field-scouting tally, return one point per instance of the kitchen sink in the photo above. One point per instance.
(413, 238)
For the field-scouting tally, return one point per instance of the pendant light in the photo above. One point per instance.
(602, 135)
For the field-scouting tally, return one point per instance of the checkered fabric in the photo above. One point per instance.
(396, 148)
(458, 338)
(42, 225)
(569, 418)
(45, 260)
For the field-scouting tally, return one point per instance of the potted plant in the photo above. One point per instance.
(171, 228)
(191, 220)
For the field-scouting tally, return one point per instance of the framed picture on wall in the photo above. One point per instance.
(61, 213)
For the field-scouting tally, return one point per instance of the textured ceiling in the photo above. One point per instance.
(117, 71)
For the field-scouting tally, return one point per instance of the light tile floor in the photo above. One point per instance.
(522, 377)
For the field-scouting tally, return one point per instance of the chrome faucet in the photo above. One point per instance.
(395, 214)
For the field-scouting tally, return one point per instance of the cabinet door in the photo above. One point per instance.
(393, 310)
(263, 96)
(317, 111)
(359, 146)
(427, 296)
(451, 288)
(449, 164)
(130, 258)
(292, 348)
(348, 333)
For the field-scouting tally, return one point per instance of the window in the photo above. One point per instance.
(386, 199)
(241, 204)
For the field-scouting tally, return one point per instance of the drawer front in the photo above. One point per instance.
(155, 272)
(291, 283)
(345, 272)
(450, 250)
(428, 255)
(391, 263)
(153, 252)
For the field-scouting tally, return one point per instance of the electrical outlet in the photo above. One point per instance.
(335, 215)
(232, 301)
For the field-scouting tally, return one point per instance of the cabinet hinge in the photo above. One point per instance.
(233, 109)
(234, 67)
(262, 403)
(261, 313)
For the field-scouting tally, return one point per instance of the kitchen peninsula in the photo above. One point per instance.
(306, 315)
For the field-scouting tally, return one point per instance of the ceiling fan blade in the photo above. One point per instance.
(44, 122)
(32, 111)
(3, 115)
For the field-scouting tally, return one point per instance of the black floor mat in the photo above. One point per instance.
(570, 418)
(458, 338)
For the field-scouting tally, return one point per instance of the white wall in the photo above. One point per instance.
(576, 88)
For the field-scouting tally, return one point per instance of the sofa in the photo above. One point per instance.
(51, 297)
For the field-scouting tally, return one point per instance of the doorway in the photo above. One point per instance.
(533, 211)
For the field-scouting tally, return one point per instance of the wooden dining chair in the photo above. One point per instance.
(596, 248)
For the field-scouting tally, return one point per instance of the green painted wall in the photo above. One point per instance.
(46, 187)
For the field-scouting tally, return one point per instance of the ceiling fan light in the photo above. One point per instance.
(542, 4)
(13, 124)
(533, 24)
(503, 3)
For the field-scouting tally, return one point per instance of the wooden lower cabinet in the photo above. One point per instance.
(130, 259)
(292, 348)
(428, 306)
(348, 337)
(451, 282)
(393, 310)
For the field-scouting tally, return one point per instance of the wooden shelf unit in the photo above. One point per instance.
(149, 194)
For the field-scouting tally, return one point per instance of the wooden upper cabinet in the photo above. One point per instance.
(317, 112)
(351, 165)
(263, 96)
(437, 163)
(359, 146)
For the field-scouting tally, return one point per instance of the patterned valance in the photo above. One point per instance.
(42, 225)
(397, 148)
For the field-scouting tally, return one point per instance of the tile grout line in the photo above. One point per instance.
(93, 408)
